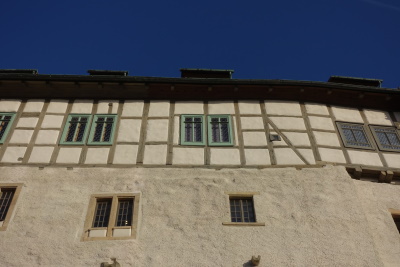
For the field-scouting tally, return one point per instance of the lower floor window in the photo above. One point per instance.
(112, 217)
(8, 197)
(242, 209)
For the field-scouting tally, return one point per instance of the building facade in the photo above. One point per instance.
(202, 170)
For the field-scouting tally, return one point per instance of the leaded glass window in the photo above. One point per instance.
(354, 135)
(192, 130)
(387, 138)
(242, 210)
(102, 130)
(219, 130)
(76, 129)
(6, 120)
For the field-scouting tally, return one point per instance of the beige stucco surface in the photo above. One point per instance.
(313, 217)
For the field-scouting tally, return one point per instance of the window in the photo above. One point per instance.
(192, 130)
(77, 129)
(6, 120)
(8, 198)
(102, 130)
(219, 130)
(112, 217)
(396, 218)
(242, 211)
(387, 138)
(354, 135)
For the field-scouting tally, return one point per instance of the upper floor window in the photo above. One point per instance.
(387, 138)
(6, 120)
(8, 198)
(354, 135)
(78, 128)
(219, 127)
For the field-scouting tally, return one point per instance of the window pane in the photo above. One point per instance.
(125, 211)
(3, 128)
(242, 210)
(225, 132)
(102, 213)
(98, 131)
(188, 132)
(215, 132)
(5, 201)
(198, 132)
(388, 138)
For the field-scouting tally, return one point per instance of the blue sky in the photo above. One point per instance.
(261, 39)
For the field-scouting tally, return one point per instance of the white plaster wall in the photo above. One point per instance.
(69, 155)
(326, 139)
(283, 108)
(132, 108)
(313, 217)
(298, 139)
(392, 159)
(97, 155)
(188, 156)
(315, 108)
(225, 156)
(41, 154)
(52, 121)
(21, 136)
(278, 143)
(189, 107)
(321, 123)
(286, 156)
(47, 137)
(347, 114)
(176, 130)
(249, 107)
(250, 123)
(57, 106)
(125, 154)
(157, 130)
(12, 154)
(257, 157)
(364, 158)
(331, 155)
(27, 122)
(104, 105)
(288, 123)
(308, 155)
(221, 107)
(9, 105)
(155, 154)
(34, 105)
(129, 130)
(378, 117)
(159, 109)
(254, 139)
(82, 106)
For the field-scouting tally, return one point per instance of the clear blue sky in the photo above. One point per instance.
(261, 39)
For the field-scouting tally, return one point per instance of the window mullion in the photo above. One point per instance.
(241, 209)
(113, 212)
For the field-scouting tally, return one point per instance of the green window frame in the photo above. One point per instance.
(102, 130)
(192, 130)
(6, 121)
(76, 129)
(220, 130)
(387, 138)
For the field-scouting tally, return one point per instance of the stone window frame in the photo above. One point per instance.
(242, 195)
(377, 140)
(365, 131)
(9, 125)
(112, 219)
(396, 217)
(11, 208)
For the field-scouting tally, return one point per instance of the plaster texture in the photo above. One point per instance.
(392, 160)
(364, 158)
(283, 108)
(313, 217)
(332, 155)
(176, 130)
(378, 117)
(159, 109)
(21, 136)
(104, 105)
(57, 106)
(155, 154)
(254, 139)
(288, 123)
(52, 121)
(321, 123)
(347, 114)
(69, 155)
(249, 107)
(189, 107)
(315, 108)
(286, 156)
(298, 139)
(308, 155)
(157, 131)
(9, 105)
(82, 106)
(47, 137)
(221, 107)
(188, 156)
(97, 155)
(29, 122)
(252, 123)
(13, 154)
(326, 139)
(41, 154)
(257, 157)
(34, 105)
(225, 156)
(278, 143)
(132, 108)
(125, 154)
(129, 130)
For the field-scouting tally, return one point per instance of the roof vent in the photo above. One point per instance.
(206, 73)
(356, 81)
(19, 71)
(108, 72)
